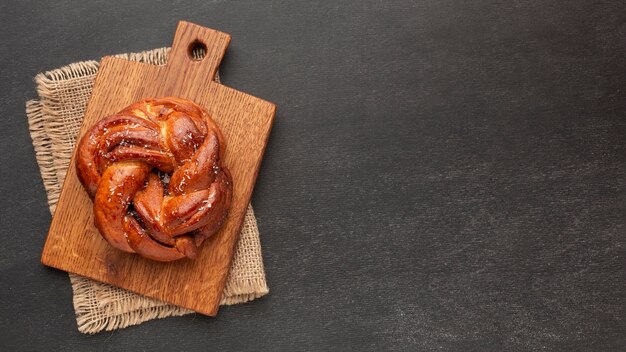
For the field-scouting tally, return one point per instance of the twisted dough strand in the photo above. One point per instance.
(155, 173)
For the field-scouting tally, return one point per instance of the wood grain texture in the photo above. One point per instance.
(74, 244)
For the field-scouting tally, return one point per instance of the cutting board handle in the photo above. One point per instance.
(189, 36)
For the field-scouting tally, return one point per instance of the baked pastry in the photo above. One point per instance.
(155, 173)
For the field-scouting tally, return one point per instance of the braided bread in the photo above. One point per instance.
(155, 174)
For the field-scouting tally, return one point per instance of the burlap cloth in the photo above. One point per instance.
(54, 121)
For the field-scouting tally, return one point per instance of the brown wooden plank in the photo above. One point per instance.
(74, 244)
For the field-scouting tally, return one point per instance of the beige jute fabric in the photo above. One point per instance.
(54, 120)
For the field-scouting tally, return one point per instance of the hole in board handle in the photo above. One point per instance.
(196, 50)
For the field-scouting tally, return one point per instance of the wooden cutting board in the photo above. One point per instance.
(74, 244)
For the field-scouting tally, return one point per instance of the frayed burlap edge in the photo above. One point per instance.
(97, 305)
(43, 151)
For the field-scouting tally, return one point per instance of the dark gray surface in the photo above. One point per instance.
(442, 175)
